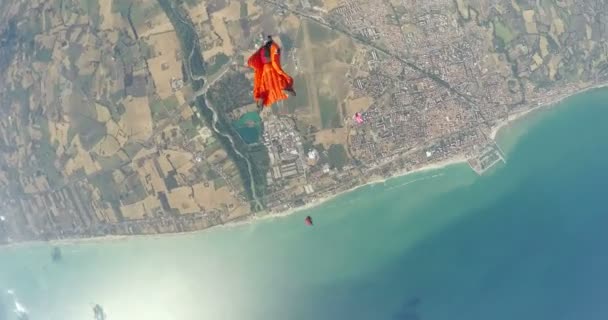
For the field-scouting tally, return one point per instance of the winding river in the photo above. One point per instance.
(203, 93)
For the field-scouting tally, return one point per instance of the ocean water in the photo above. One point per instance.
(527, 241)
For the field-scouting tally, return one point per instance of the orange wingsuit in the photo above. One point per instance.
(269, 79)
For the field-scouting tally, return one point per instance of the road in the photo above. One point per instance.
(218, 76)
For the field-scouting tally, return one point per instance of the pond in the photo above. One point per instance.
(249, 127)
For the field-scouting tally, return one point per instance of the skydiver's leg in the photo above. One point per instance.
(291, 91)
(287, 83)
(261, 100)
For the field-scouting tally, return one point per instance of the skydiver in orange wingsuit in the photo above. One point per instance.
(269, 80)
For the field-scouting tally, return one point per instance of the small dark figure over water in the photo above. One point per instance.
(409, 310)
(56, 255)
(308, 221)
(99, 315)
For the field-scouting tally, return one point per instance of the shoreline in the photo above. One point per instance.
(240, 222)
(495, 130)
(512, 117)
(320, 201)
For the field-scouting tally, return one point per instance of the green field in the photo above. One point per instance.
(503, 32)
(83, 118)
(192, 3)
(319, 34)
(44, 54)
(218, 183)
(299, 39)
(147, 51)
(45, 154)
(330, 117)
(91, 7)
(345, 53)
(112, 162)
(337, 156)
(157, 107)
(301, 98)
(171, 103)
(121, 6)
(85, 81)
(141, 14)
(216, 63)
(287, 42)
(243, 10)
(188, 127)
(90, 131)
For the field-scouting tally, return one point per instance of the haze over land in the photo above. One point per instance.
(132, 116)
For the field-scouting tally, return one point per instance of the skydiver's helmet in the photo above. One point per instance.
(268, 41)
(265, 52)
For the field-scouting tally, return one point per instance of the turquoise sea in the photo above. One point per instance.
(528, 241)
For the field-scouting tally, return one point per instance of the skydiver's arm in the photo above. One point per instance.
(276, 65)
(276, 61)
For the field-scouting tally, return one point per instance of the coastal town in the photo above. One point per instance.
(135, 116)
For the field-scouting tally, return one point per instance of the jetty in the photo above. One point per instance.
(488, 157)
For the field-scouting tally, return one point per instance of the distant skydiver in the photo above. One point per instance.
(358, 118)
(99, 313)
(269, 80)
(308, 221)
(56, 255)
